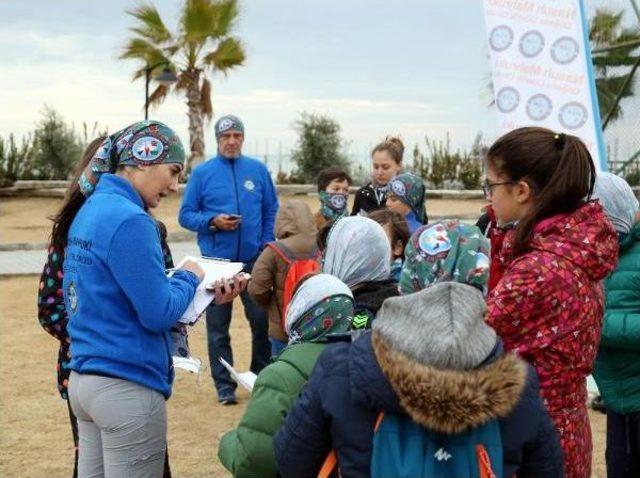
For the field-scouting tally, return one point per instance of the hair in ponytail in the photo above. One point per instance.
(558, 168)
(392, 145)
(74, 199)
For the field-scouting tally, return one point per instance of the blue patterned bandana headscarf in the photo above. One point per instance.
(145, 142)
(447, 251)
(333, 205)
(409, 189)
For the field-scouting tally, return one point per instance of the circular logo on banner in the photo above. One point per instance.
(397, 187)
(248, 185)
(147, 148)
(507, 99)
(337, 201)
(531, 43)
(573, 115)
(539, 107)
(434, 240)
(564, 50)
(500, 38)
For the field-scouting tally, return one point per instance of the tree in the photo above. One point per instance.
(614, 50)
(319, 146)
(201, 44)
(15, 161)
(56, 147)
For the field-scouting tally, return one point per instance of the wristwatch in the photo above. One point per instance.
(212, 225)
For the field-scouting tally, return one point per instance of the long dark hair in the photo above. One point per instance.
(74, 199)
(557, 167)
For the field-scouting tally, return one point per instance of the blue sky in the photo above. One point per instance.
(411, 67)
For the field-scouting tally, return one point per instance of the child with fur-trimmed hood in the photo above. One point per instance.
(431, 357)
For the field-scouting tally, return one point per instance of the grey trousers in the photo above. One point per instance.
(122, 427)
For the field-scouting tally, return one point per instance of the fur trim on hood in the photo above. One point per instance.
(450, 401)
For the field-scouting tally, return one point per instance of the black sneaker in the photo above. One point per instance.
(598, 405)
(228, 400)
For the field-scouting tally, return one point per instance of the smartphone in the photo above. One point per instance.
(234, 217)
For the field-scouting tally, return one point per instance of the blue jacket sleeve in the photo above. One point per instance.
(136, 262)
(269, 209)
(304, 442)
(190, 216)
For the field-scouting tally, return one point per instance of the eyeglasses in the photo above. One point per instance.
(487, 187)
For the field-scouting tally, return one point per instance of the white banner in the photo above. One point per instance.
(542, 70)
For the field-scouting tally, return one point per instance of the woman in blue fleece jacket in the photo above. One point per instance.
(120, 303)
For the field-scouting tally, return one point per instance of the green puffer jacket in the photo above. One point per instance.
(617, 367)
(247, 451)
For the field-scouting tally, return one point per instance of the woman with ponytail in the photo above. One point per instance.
(120, 303)
(548, 303)
(386, 163)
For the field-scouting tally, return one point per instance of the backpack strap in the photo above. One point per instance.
(484, 463)
(281, 251)
(331, 461)
(329, 465)
(378, 422)
(287, 254)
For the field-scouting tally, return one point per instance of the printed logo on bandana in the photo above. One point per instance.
(104, 149)
(482, 264)
(147, 148)
(248, 185)
(338, 201)
(73, 298)
(224, 125)
(397, 187)
(122, 142)
(434, 240)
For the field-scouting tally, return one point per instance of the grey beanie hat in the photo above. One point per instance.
(442, 326)
(228, 123)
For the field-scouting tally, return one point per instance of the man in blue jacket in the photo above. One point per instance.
(230, 201)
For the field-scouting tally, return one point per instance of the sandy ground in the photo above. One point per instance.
(35, 438)
(25, 219)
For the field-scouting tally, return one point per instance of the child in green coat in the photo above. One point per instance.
(322, 305)
(617, 367)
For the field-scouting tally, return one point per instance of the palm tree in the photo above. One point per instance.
(201, 44)
(615, 49)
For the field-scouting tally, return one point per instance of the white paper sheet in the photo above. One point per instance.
(245, 379)
(189, 364)
(213, 270)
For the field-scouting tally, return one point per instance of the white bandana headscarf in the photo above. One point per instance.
(617, 199)
(358, 251)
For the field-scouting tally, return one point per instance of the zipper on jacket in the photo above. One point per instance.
(235, 187)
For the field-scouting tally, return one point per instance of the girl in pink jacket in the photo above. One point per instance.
(548, 305)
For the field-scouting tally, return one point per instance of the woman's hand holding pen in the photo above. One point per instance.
(192, 266)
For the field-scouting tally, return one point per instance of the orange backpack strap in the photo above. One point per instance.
(329, 465)
(331, 461)
(282, 254)
(378, 422)
(484, 463)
